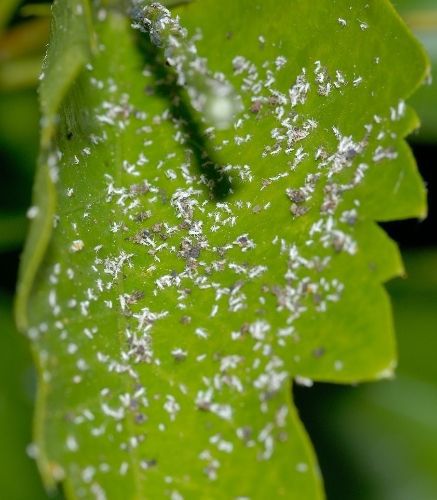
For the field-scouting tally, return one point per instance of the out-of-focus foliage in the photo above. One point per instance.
(383, 437)
(19, 478)
(21, 51)
(399, 417)
(7, 8)
(12, 231)
(421, 16)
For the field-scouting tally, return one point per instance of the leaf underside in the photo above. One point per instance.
(177, 278)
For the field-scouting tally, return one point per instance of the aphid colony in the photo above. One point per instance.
(180, 279)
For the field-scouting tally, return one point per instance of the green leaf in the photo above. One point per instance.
(19, 476)
(193, 272)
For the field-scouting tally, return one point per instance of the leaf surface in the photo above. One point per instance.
(192, 272)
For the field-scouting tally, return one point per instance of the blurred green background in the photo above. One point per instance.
(374, 441)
